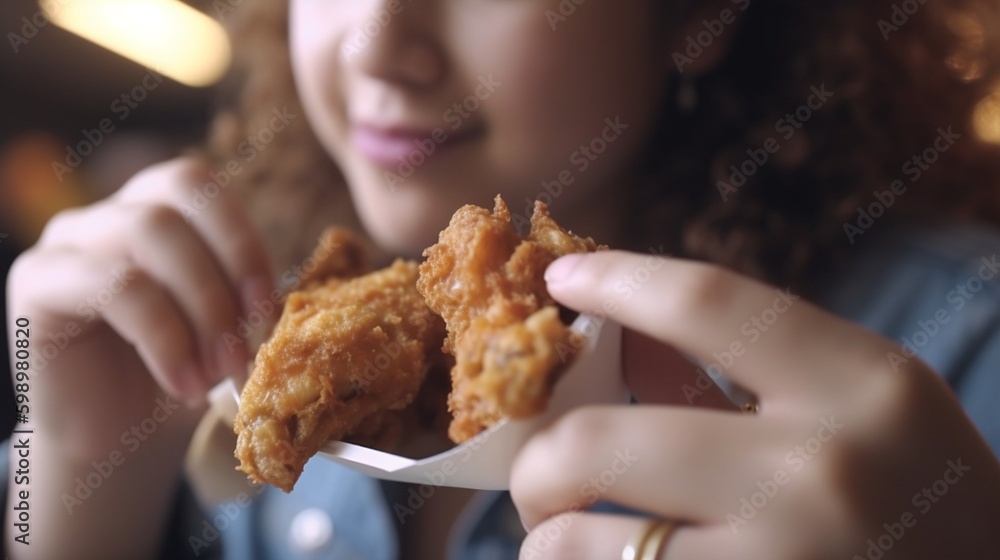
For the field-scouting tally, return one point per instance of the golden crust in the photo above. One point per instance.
(339, 254)
(343, 351)
(351, 352)
(486, 282)
(506, 370)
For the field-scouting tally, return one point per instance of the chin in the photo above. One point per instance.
(404, 236)
(407, 221)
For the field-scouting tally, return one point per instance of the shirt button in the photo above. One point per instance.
(311, 530)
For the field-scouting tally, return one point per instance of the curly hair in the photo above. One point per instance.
(898, 76)
(292, 187)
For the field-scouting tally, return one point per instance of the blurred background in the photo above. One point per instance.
(78, 118)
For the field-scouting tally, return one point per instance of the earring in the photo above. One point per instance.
(687, 95)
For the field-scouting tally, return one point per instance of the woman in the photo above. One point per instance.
(827, 152)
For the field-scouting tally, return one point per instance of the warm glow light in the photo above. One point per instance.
(987, 118)
(167, 36)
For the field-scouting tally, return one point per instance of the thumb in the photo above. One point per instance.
(621, 286)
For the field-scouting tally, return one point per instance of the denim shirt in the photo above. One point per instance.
(935, 292)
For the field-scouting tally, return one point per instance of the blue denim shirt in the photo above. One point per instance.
(937, 293)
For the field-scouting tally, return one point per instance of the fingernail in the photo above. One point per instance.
(562, 268)
(230, 357)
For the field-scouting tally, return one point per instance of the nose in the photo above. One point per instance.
(398, 42)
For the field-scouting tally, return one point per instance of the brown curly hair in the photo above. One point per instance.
(894, 87)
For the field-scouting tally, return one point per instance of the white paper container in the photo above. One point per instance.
(484, 462)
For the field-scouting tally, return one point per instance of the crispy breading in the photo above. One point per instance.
(486, 282)
(350, 355)
(463, 275)
(507, 371)
(343, 352)
(339, 254)
(426, 415)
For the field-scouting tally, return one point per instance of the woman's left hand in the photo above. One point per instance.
(856, 452)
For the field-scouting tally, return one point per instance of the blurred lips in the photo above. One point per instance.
(389, 146)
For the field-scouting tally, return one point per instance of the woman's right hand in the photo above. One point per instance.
(134, 305)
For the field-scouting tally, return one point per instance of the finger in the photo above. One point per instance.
(764, 338)
(159, 241)
(658, 374)
(224, 224)
(215, 214)
(687, 464)
(133, 304)
(219, 217)
(589, 536)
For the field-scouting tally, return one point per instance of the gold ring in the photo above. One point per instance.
(648, 542)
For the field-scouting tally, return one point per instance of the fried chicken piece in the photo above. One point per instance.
(427, 414)
(343, 352)
(507, 370)
(339, 254)
(503, 327)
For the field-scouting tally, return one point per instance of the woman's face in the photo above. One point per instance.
(428, 105)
